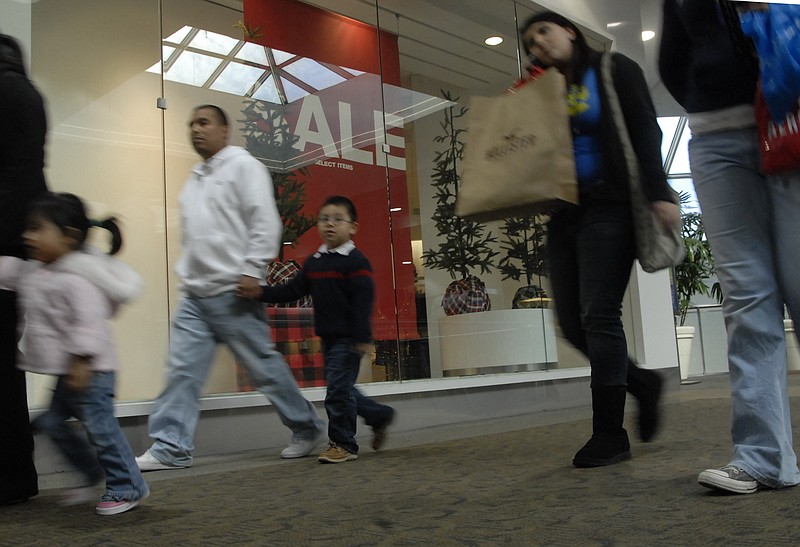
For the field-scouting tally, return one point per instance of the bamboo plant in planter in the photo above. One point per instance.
(689, 278)
(526, 256)
(465, 246)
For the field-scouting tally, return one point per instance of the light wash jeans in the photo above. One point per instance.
(199, 325)
(111, 455)
(753, 224)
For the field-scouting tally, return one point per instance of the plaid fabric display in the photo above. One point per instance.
(280, 273)
(466, 295)
(293, 335)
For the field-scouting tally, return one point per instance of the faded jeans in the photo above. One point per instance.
(109, 452)
(199, 325)
(752, 223)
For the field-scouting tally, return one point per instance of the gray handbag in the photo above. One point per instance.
(655, 248)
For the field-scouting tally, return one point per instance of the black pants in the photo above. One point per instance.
(591, 251)
(18, 479)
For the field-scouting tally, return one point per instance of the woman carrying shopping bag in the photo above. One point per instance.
(592, 246)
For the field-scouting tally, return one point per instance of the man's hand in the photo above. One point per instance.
(79, 374)
(249, 287)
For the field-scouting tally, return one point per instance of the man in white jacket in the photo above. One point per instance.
(231, 229)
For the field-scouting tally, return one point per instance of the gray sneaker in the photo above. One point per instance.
(729, 478)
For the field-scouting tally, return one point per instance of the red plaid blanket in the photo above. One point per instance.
(293, 334)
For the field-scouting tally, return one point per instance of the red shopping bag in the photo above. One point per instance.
(779, 141)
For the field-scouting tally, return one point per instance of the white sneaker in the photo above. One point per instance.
(148, 462)
(301, 447)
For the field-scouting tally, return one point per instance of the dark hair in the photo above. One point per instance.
(68, 212)
(582, 54)
(343, 202)
(223, 118)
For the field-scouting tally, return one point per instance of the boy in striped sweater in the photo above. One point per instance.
(339, 279)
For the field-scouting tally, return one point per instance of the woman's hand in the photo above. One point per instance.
(668, 215)
(79, 374)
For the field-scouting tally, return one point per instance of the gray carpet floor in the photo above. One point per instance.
(502, 483)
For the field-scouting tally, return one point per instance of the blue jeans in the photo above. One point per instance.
(199, 325)
(752, 224)
(343, 401)
(111, 455)
(591, 251)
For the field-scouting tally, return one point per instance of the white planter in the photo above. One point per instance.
(792, 351)
(497, 341)
(685, 336)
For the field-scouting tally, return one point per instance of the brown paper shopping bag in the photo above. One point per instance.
(518, 158)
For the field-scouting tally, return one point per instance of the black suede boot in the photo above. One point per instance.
(646, 386)
(609, 443)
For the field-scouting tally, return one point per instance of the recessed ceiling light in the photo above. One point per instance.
(648, 35)
(614, 24)
(493, 41)
(395, 209)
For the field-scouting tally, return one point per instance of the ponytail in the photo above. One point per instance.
(111, 225)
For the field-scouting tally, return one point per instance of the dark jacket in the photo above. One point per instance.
(699, 63)
(22, 138)
(645, 134)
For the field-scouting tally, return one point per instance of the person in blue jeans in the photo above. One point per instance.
(68, 292)
(752, 222)
(231, 228)
(339, 279)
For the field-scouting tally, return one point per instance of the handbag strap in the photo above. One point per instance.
(632, 163)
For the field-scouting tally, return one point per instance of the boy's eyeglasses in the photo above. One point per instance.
(336, 221)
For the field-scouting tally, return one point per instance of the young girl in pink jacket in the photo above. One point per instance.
(68, 293)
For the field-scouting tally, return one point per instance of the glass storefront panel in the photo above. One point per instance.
(365, 99)
(508, 327)
(104, 144)
(309, 109)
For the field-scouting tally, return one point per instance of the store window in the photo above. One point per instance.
(367, 99)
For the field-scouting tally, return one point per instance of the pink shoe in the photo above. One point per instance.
(115, 507)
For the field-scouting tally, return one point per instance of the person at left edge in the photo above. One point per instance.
(23, 126)
(230, 230)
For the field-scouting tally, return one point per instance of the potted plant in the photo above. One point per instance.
(689, 278)
(465, 244)
(525, 247)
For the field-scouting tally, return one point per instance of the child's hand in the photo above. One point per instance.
(365, 347)
(249, 287)
(80, 372)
